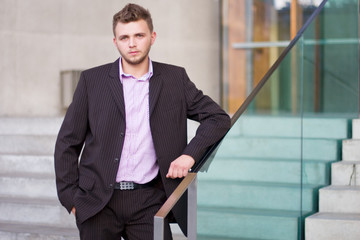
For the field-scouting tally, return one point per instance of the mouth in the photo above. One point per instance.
(133, 53)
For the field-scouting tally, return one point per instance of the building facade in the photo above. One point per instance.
(40, 39)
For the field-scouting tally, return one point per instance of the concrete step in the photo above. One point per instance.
(290, 127)
(351, 150)
(356, 128)
(28, 185)
(262, 170)
(255, 125)
(340, 199)
(27, 144)
(229, 223)
(30, 126)
(287, 197)
(345, 173)
(39, 218)
(44, 212)
(17, 164)
(10, 230)
(332, 226)
(280, 148)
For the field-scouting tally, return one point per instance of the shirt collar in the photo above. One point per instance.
(145, 77)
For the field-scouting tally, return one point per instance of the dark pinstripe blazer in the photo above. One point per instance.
(96, 117)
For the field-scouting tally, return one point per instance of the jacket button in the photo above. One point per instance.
(116, 160)
(111, 185)
(122, 134)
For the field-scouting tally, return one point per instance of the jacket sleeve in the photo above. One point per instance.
(69, 144)
(214, 122)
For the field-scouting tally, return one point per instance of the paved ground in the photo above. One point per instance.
(177, 237)
(177, 234)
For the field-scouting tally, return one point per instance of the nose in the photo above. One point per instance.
(132, 42)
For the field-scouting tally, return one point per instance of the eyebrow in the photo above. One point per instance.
(121, 36)
(138, 33)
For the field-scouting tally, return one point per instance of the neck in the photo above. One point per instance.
(137, 70)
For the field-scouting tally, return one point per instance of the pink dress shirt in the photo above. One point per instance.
(138, 158)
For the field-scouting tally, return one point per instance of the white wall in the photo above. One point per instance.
(40, 38)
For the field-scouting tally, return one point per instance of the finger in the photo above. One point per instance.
(175, 173)
(170, 172)
(179, 173)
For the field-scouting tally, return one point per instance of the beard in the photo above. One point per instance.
(135, 60)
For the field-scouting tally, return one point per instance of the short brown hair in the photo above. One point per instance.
(132, 13)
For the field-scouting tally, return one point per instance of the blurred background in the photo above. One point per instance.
(41, 41)
(293, 153)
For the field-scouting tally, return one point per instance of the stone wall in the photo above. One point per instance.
(41, 38)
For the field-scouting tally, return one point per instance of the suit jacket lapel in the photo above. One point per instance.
(116, 86)
(155, 88)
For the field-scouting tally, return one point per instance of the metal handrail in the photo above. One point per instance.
(190, 179)
(160, 216)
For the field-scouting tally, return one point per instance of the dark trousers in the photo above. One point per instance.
(129, 214)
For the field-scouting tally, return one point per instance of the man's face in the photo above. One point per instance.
(134, 40)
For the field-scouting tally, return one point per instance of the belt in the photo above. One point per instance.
(132, 186)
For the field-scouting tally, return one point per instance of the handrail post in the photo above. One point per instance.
(187, 183)
(158, 228)
(192, 210)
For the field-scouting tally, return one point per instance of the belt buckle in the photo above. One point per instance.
(127, 186)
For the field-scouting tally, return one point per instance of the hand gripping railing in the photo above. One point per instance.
(188, 183)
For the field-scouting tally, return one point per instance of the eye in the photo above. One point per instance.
(123, 38)
(140, 35)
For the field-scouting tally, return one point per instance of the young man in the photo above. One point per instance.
(128, 121)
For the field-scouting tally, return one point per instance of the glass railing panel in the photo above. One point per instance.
(329, 92)
(331, 61)
(252, 189)
(265, 176)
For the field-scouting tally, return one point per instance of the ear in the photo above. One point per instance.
(153, 37)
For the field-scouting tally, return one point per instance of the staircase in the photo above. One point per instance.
(253, 187)
(339, 204)
(29, 208)
(242, 196)
(28, 203)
